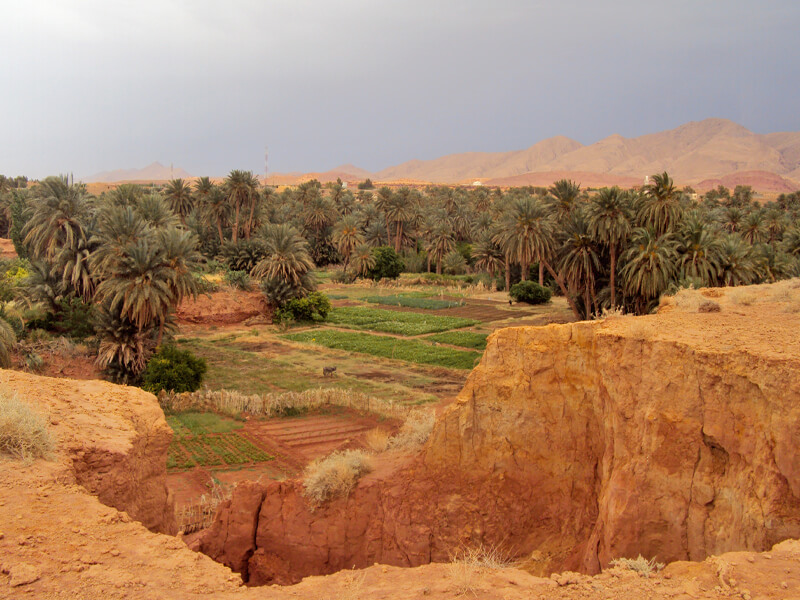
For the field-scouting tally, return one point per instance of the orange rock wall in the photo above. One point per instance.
(569, 445)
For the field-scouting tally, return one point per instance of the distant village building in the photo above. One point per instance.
(477, 182)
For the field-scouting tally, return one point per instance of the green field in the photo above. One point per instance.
(390, 321)
(465, 339)
(206, 439)
(388, 347)
(410, 301)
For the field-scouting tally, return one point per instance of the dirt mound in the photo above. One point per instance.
(673, 435)
(7, 250)
(225, 307)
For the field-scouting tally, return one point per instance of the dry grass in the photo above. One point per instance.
(745, 297)
(202, 514)
(467, 565)
(23, 432)
(334, 475)
(274, 405)
(377, 440)
(415, 431)
(640, 565)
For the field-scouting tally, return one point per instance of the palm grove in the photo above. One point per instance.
(120, 263)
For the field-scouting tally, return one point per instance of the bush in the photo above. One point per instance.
(334, 475)
(239, 280)
(454, 263)
(388, 264)
(74, 318)
(314, 307)
(204, 286)
(23, 433)
(278, 291)
(343, 277)
(175, 370)
(530, 292)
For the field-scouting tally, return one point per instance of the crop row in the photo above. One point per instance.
(212, 450)
(391, 321)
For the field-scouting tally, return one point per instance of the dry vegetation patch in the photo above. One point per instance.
(23, 432)
(334, 475)
(640, 565)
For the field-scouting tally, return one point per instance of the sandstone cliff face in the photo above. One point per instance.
(674, 436)
(110, 439)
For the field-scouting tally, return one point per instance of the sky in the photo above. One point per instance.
(90, 86)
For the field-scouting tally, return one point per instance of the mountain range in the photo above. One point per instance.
(152, 172)
(700, 153)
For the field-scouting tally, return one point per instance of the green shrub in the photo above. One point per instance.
(342, 277)
(530, 292)
(388, 264)
(314, 307)
(204, 286)
(172, 369)
(454, 263)
(239, 280)
(74, 318)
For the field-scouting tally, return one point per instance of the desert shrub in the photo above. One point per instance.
(377, 440)
(388, 264)
(314, 307)
(243, 255)
(415, 262)
(23, 432)
(173, 369)
(415, 431)
(640, 565)
(530, 292)
(334, 475)
(239, 280)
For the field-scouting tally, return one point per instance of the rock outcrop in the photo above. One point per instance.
(674, 436)
(110, 439)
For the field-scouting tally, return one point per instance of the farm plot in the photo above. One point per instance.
(465, 339)
(388, 347)
(397, 322)
(206, 439)
(413, 301)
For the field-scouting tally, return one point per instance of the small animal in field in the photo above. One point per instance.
(328, 371)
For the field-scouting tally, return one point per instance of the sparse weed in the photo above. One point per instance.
(334, 475)
(640, 565)
(743, 297)
(466, 565)
(23, 432)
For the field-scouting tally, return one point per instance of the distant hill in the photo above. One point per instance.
(694, 152)
(153, 172)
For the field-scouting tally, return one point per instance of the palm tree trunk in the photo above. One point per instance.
(219, 230)
(249, 226)
(429, 262)
(564, 291)
(508, 273)
(236, 224)
(613, 282)
(523, 270)
(160, 333)
(398, 237)
(541, 273)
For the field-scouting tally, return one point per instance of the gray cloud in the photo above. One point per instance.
(97, 85)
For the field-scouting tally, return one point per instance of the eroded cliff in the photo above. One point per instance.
(675, 435)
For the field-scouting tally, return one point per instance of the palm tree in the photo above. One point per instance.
(140, 289)
(124, 348)
(374, 234)
(179, 196)
(7, 341)
(241, 190)
(441, 241)
(736, 264)
(124, 195)
(363, 259)
(580, 260)
(609, 215)
(753, 229)
(699, 251)
(347, 235)
(288, 258)
(117, 228)
(565, 193)
(318, 214)
(650, 265)
(59, 216)
(400, 210)
(156, 211)
(526, 234)
(73, 267)
(487, 254)
(660, 207)
(215, 207)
